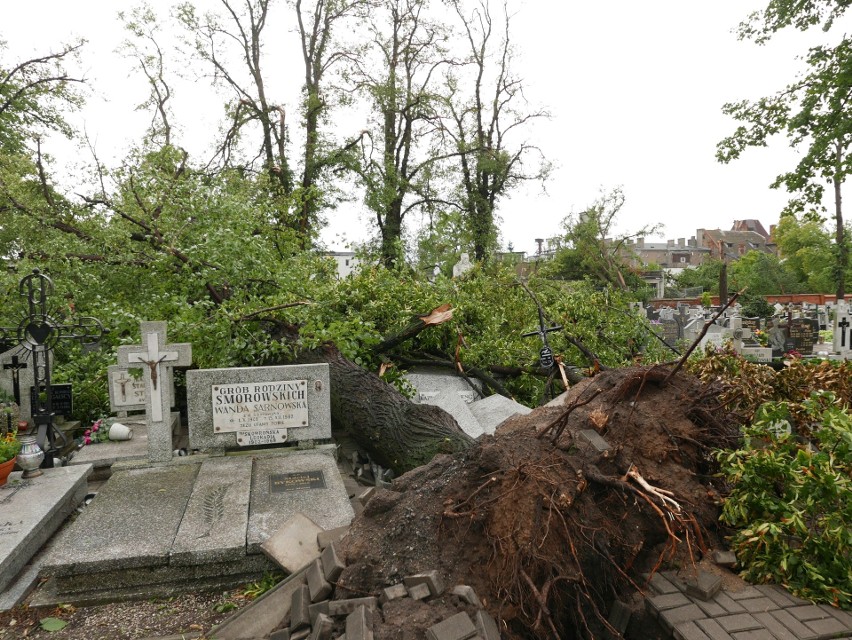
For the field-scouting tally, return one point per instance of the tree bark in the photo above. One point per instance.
(394, 431)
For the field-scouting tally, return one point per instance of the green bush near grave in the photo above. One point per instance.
(791, 499)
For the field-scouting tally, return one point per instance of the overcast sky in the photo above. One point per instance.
(635, 91)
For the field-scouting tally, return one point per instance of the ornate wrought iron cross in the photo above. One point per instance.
(545, 356)
(37, 334)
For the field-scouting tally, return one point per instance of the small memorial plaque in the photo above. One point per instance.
(60, 401)
(545, 357)
(127, 390)
(266, 436)
(260, 406)
(281, 482)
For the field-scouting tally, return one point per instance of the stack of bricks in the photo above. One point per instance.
(315, 616)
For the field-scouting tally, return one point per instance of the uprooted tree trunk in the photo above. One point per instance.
(394, 431)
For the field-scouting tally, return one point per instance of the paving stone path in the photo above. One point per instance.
(754, 613)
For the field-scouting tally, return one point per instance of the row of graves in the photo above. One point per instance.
(795, 330)
(263, 464)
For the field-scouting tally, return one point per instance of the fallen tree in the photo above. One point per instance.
(394, 431)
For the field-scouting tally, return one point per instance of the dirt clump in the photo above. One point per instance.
(548, 528)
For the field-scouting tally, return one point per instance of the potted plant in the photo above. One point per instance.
(9, 448)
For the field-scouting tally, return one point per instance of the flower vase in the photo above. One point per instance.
(5, 470)
(30, 456)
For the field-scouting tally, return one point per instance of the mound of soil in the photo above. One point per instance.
(547, 528)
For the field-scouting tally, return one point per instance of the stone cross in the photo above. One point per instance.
(738, 333)
(157, 357)
(842, 333)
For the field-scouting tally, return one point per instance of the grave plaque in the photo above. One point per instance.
(753, 324)
(260, 405)
(61, 403)
(281, 482)
(804, 333)
(126, 392)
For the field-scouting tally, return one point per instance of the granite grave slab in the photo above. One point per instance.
(258, 405)
(428, 383)
(32, 510)
(131, 523)
(456, 406)
(306, 482)
(494, 410)
(214, 526)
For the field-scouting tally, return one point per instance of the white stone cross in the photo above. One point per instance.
(158, 357)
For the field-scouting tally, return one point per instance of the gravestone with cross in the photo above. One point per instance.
(38, 332)
(155, 357)
(842, 330)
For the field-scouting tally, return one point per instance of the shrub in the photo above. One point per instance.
(791, 499)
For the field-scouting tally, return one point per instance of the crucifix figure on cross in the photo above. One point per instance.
(158, 357)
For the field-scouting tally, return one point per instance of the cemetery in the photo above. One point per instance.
(276, 363)
(297, 469)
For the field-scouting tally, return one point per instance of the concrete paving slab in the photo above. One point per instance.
(306, 482)
(494, 410)
(213, 528)
(131, 523)
(32, 510)
(293, 545)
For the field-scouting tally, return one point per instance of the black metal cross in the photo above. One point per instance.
(545, 356)
(15, 366)
(38, 333)
(843, 324)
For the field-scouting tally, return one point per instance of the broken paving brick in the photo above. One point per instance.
(338, 608)
(419, 591)
(325, 538)
(318, 586)
(322, 627)
(300, 617)
(393, 593)
(457, 627)
(467, 594)
(486, 626)
(430, 578)
(358, 625)
(317, 608)
(704, 585)
(332, 565)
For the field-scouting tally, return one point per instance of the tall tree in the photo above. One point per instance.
(813, 113)
(215, 39)
(321, 53)
(145, 50)
(401, 79)
(486, 106)
(591, 250)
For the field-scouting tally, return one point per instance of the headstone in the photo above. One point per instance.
(494, 410)
(15, 364)
(156, 357)
(462, 266)
(127, 389)
(842, 330)
(804, 332)
(32, 510)
(456, 406)
(253, 406)
(428, 383)
(668, 330)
